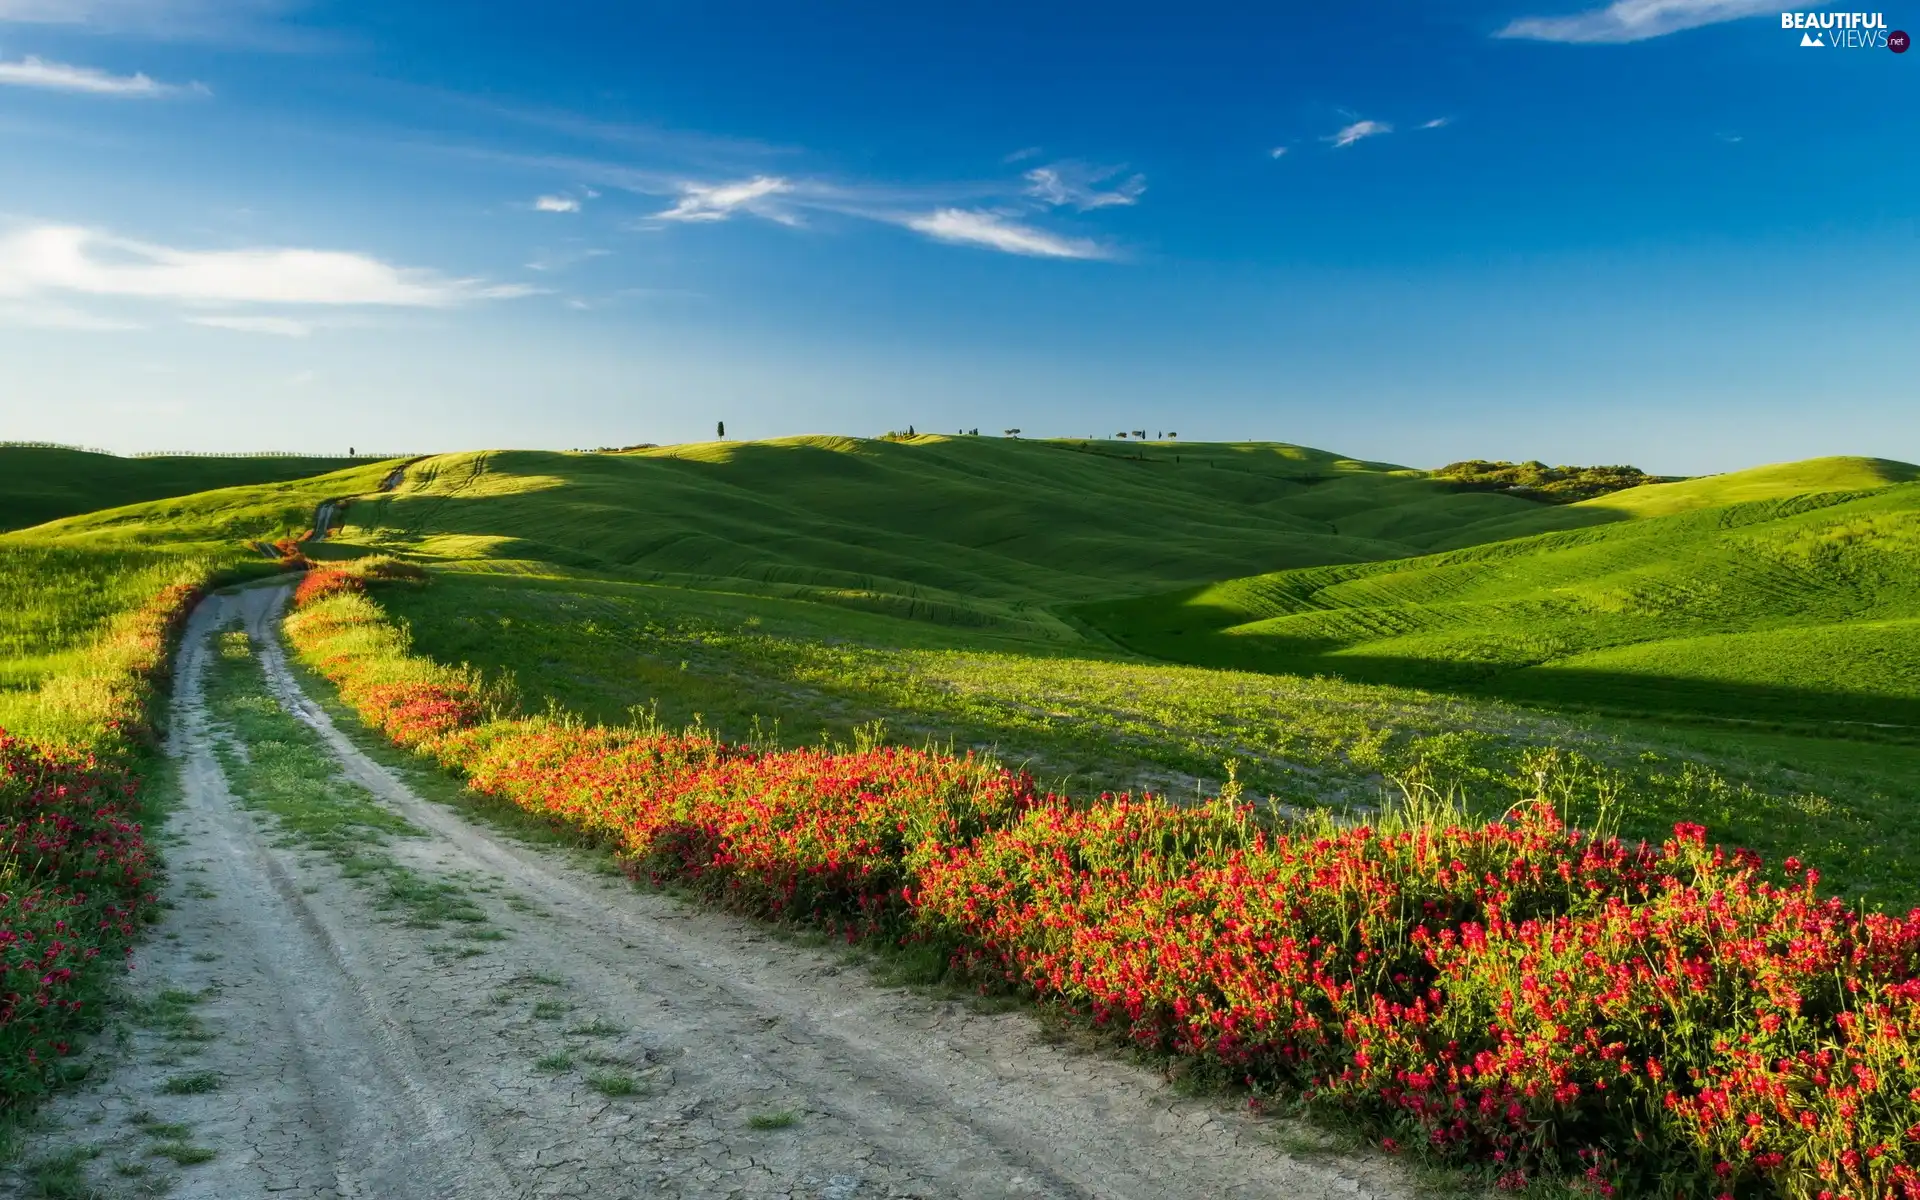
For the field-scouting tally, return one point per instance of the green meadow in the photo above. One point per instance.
(1125, 616)
(44, 483)
(1787, 595)
(63, 583)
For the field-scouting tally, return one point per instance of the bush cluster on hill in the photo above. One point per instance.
(1538, 481)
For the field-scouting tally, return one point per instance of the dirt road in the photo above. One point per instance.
(349, 1055)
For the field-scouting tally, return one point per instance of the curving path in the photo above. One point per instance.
(357, 1059)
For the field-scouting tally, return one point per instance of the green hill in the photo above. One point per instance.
(804, 588)
(61, 582)
(1801, 606)
(1758, 483)
(971, 531)
(44, 483)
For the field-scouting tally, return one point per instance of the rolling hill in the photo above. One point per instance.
(968, 591)
(45, 483)
(61, 582)
(968, 531)
(1788, 592)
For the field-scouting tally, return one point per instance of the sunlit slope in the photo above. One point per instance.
(222, 519)
(40, 484)
(1840, 474)
(982, 531)
(1797, 606)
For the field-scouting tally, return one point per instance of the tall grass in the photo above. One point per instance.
(75, 877)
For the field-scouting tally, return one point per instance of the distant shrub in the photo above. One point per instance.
(1538, 481)
(388, 569)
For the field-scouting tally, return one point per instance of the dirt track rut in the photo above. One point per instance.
(356, 1059)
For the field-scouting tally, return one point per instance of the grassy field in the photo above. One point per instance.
(89, 606)
(799, 589)
(1089, 719)
(979, 532)
(41, 483)
(1600, 1007)
(1732, 597)
(62, 584)
(823, 597)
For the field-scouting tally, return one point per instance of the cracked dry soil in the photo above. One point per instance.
(346, 1054)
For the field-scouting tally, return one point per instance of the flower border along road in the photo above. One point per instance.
(1517, 995)
(75, 876)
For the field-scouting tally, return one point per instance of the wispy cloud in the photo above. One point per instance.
(1358, 131)
(274, 326)
(1436, 123)
(253, 22)
(62, 258)
(60, 77)
(1635, 20)
(1079, 186)
(556, 204)
(60, 317)
(973, 227)
(1278, 152)
(717, 202)
(560, 260)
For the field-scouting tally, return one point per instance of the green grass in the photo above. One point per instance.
(977, 533)
(783, 1119)
(183, 1154)
(963, 590)
(613, 1083)
(63, 584)
(1774, 482)
(41, 483)
(1800, 608)
(195, 1084)
(62, 1176)
(218, 521)
(1088, 718)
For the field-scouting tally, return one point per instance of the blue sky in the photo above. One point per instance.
(1653, 231)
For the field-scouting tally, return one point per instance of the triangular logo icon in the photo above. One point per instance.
(1809, 39)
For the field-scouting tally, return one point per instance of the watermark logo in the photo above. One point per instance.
(1845, 31)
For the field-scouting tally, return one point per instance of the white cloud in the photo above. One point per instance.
(1278, 152)
(246, 21)
(556, 204)
(1437, 123)
(560, 260)
(1635, 20)
(60, 317)
(1075, 184)
(1359, 131)
(717, 202)
(62, 258)
(975, 228)
(60, 77)
(276, 326)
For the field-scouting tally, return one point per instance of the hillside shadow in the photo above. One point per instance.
(1194, 634)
